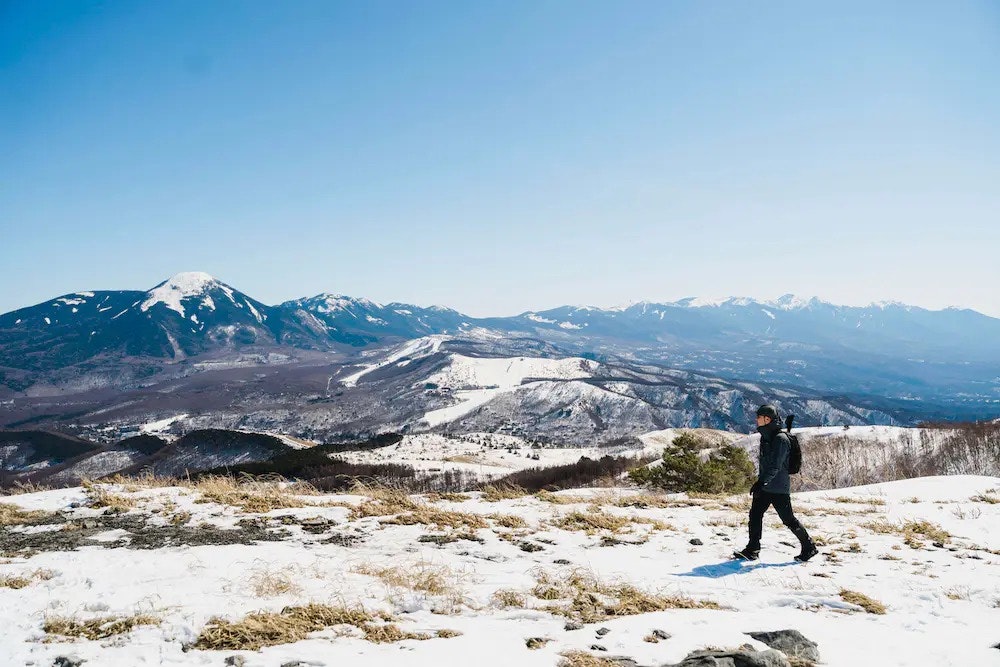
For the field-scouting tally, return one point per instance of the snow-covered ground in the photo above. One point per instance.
(486, 455)
(941, 601)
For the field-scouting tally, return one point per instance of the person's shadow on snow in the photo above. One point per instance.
(729, 567)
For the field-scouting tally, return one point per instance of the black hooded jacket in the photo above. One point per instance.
(773, 459)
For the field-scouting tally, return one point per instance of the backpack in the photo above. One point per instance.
(795, 453)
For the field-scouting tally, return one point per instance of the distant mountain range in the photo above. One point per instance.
(897, 360)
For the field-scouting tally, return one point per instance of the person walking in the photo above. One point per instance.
(773, 487)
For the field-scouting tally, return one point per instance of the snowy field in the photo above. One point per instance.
(485, 455)
(500, 571)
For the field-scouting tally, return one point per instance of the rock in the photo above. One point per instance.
(603, 631)
(660, 634)
(64, 661)
(696, 542)
(73, 505)
(314, 521)
(939, 545)
(561, 561)
(536, 642)
(572, 625)
(236, 661)
(89, 523)
(768, 658)
(530, 547)
(597, 647)
(790, 642)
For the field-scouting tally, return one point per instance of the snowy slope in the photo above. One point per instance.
(940, 602)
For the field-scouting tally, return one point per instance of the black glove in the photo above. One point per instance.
(755, 488)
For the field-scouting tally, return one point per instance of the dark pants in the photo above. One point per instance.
(783, 506)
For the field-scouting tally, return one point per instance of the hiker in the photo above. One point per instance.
(773, 487)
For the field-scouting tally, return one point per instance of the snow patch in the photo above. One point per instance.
(180, 287)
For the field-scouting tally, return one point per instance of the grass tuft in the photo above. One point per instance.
(500, 492)
(868, 604)
(292, 624)
(583, 597)
(583, 659)
(96, 628)
(12, 515)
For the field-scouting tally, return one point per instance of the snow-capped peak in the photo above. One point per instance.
(184, 286)
(331, 303)
(791, 302)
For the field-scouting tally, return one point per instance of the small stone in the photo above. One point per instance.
(603, 631)
(89, 523)
(660, 634)
(939, 545)
(561, 561)
(597, 647)
(236, 661)
(695, 541)
(572, 625)
(72, 505)
(535, 643)
(530, 547)
(64, 661)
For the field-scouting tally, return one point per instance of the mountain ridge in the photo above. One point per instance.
(90, 339)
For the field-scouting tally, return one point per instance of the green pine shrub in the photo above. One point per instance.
(727, 469)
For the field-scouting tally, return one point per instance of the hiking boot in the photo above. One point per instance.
(808, 551)
(747, 553)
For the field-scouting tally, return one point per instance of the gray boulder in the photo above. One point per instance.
(769, 658)
(790, 642)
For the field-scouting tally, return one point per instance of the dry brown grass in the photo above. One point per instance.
(647, 500)
(15, 582)
(500, 492)
(585, 598)
(20, 488)
(868, 604)
(912, 532)
(266, 582)
(438, 518)
(101, 496)
(583, 659)
(986, 498)
(507, 599)
(870, 500)
(248, 493)
(438, 581)
(96, 628)
(12, 515)
(563, 499)
(438, 496)
(591, 522)
(293, 624)
(23, 581)
(461, 458)
(424, 577)
(508, 520)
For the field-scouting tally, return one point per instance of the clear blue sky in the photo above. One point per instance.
(503, 156)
